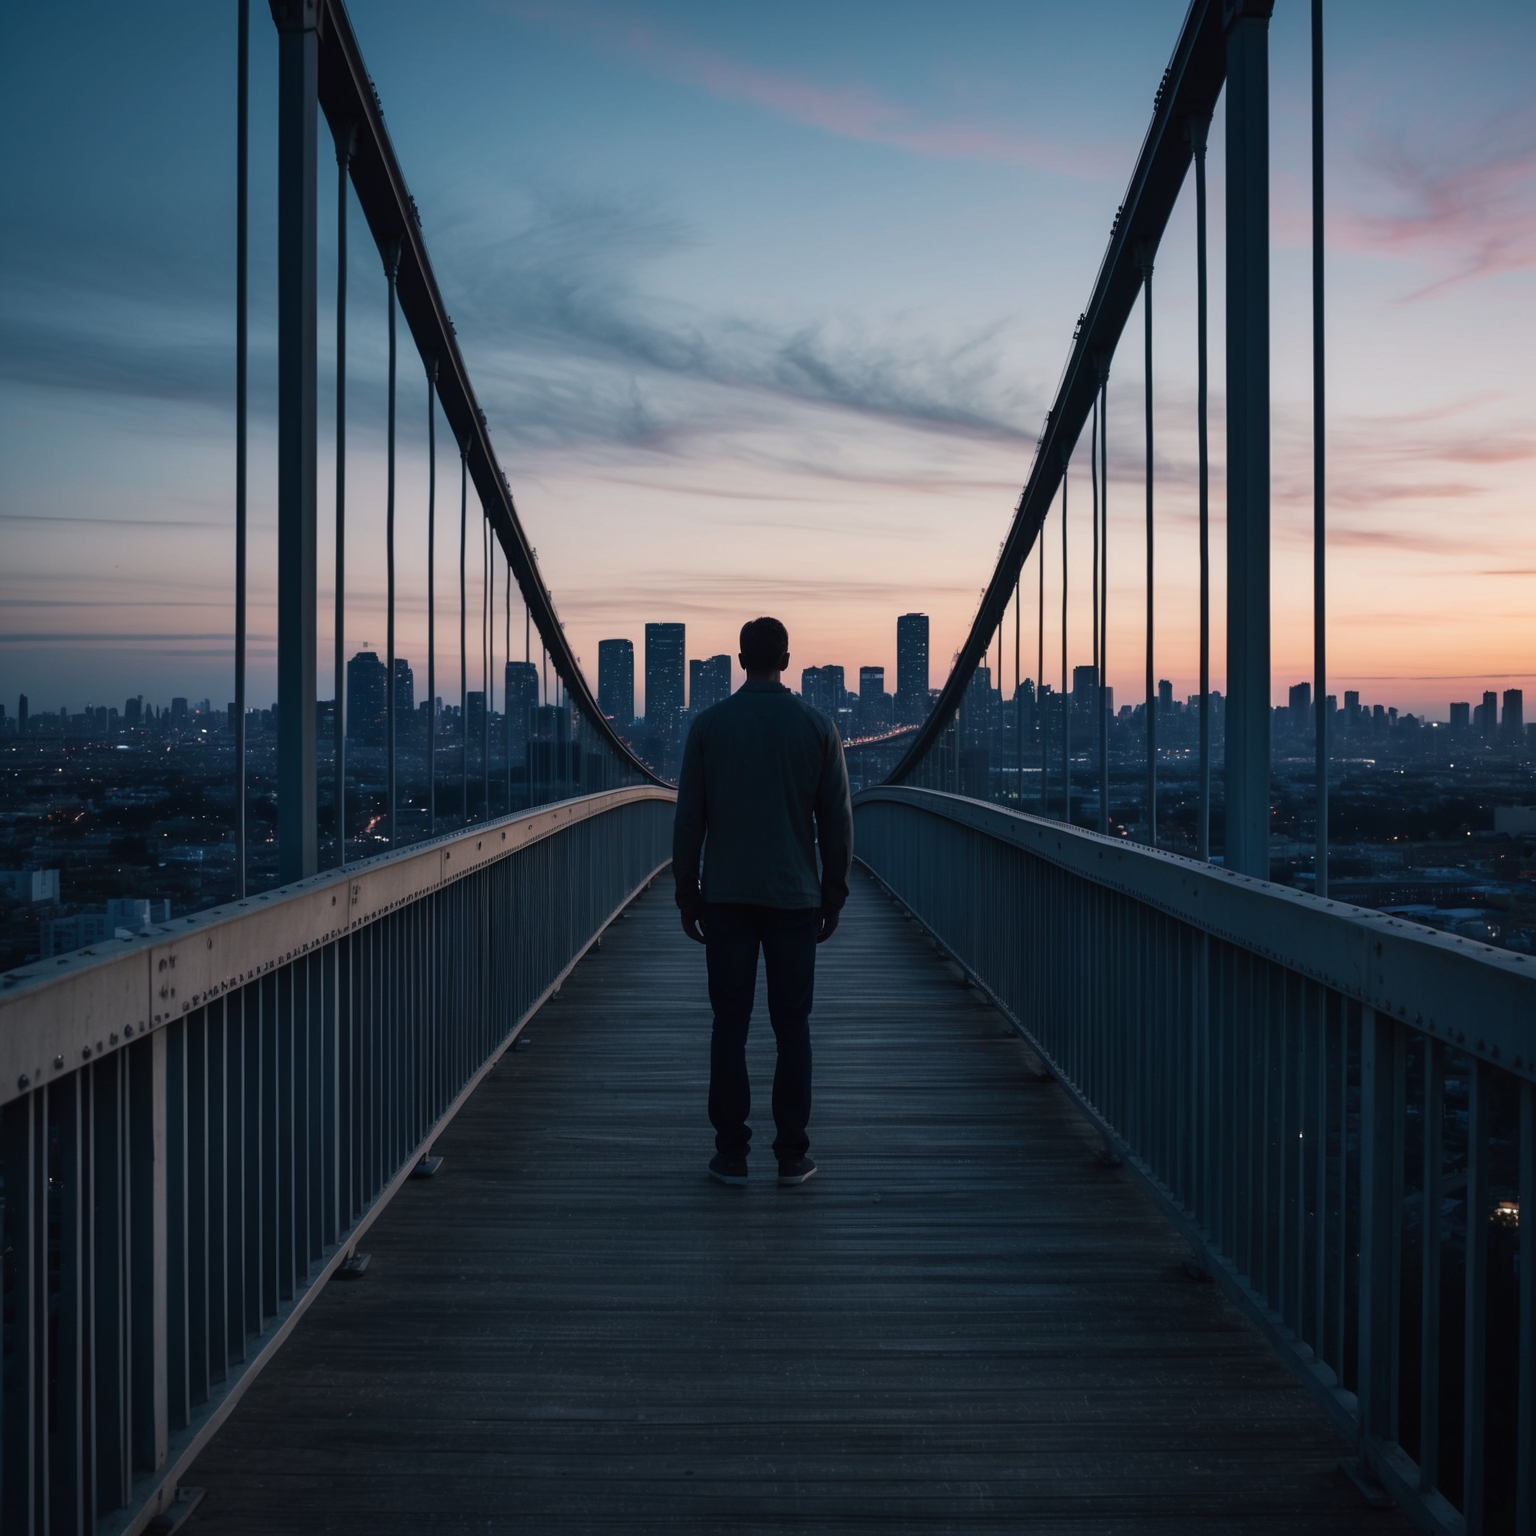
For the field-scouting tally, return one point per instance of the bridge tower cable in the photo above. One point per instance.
(346, 138)
(1197, 128)
(1319, 479)
(487, 661)
(1100, 557)
(391, 274)
(506, 697)
(432, 595)
(1146, 309)
(242, 372)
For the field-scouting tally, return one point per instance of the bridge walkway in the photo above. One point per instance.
(963, 1324)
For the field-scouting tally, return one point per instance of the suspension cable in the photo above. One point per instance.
(1197, 131)
(1040, 676)
(242, 372)
(1098, 556)
(1319, 450)
(485, 668)
(391, 271)
(346, 138)
(1146, 308)
(1066, 698)
(1101, 419)
(1018, 685)
(463, 636)
(432, 595)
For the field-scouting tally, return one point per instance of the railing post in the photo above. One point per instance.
(1247, 712)
(1381, 1201)
(297, 406)
(148, 1233)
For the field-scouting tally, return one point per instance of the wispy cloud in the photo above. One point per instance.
(850, 110)
(1467, 207)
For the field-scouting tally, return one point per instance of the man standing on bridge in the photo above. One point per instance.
(763, 785)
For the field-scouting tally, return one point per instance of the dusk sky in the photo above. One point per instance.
(765, 308)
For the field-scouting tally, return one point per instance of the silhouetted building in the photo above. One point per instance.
(366, 699)
(178, 714)
(1085, 688)
(615, 681)
(664, 656)
(1301, 705)
(133, 712)
(1461, 717)
(912, 666)
(1489, 720)
(405, 692)
(474, 733)
(1514, 716)
(521, 698)
(709, 682)
(21, 715)
(874, 701)
(822, 688)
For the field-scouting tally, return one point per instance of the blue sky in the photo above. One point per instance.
(765, 308)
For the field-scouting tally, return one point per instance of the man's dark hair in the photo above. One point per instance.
(764, 643)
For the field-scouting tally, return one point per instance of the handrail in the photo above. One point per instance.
(1336, 1108)
(198, 1124)
(1190, 86)
(350, 101)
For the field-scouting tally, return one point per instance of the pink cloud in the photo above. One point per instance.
(851, 111)
(1470, 214)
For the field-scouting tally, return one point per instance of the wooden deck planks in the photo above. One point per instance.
(962, 1324)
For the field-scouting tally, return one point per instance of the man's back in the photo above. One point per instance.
(762, 782)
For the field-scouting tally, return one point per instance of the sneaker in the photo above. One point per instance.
(728, 1170)
(796, 1171)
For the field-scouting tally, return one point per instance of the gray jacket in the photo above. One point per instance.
(763, 784)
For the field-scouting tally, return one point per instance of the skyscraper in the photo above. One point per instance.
(664, 654)
(21, 715)
(521, 698)
(1490, 715)
(912, 666)
(616, 681)
(1461, 717)
(1301, 705)
(1514, 716)
(405, 691)
(709, 682)
(365, 699)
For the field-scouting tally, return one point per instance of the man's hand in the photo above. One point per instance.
(691, 917)
(829, 917)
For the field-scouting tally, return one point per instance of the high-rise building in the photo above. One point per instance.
(1351, 708)
(520, 699)
(874, 701)
(405, 691)
(664, 655)
(1461, 717)
(1514, 716)
(912, 666)
(178, 714)
(1301, 705)
(1164, 696)
(133, 712)
(1085, 687)
(21, 715)
(822, 688)
(709, 682)
(474, 728)
(366, 697)
(1490, 715)
(615, 681)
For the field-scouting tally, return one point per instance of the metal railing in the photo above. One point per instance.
(197, 1124)
(1334, 1106)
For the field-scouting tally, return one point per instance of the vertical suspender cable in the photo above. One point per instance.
(1066, 697)
(432, 596)
(346, 137)
(1098, 625)
(1197, 131)
(1146, 309)
(486, 648)
(391, 271)
(1018, 684)
(506, 696)
(1319, 446)
(463, 635)
(242, 309)
(1101, 414)
(1040, 675)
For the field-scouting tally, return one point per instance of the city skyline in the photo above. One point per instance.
(818, 401)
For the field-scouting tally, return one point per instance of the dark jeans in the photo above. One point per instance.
(732, 936)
